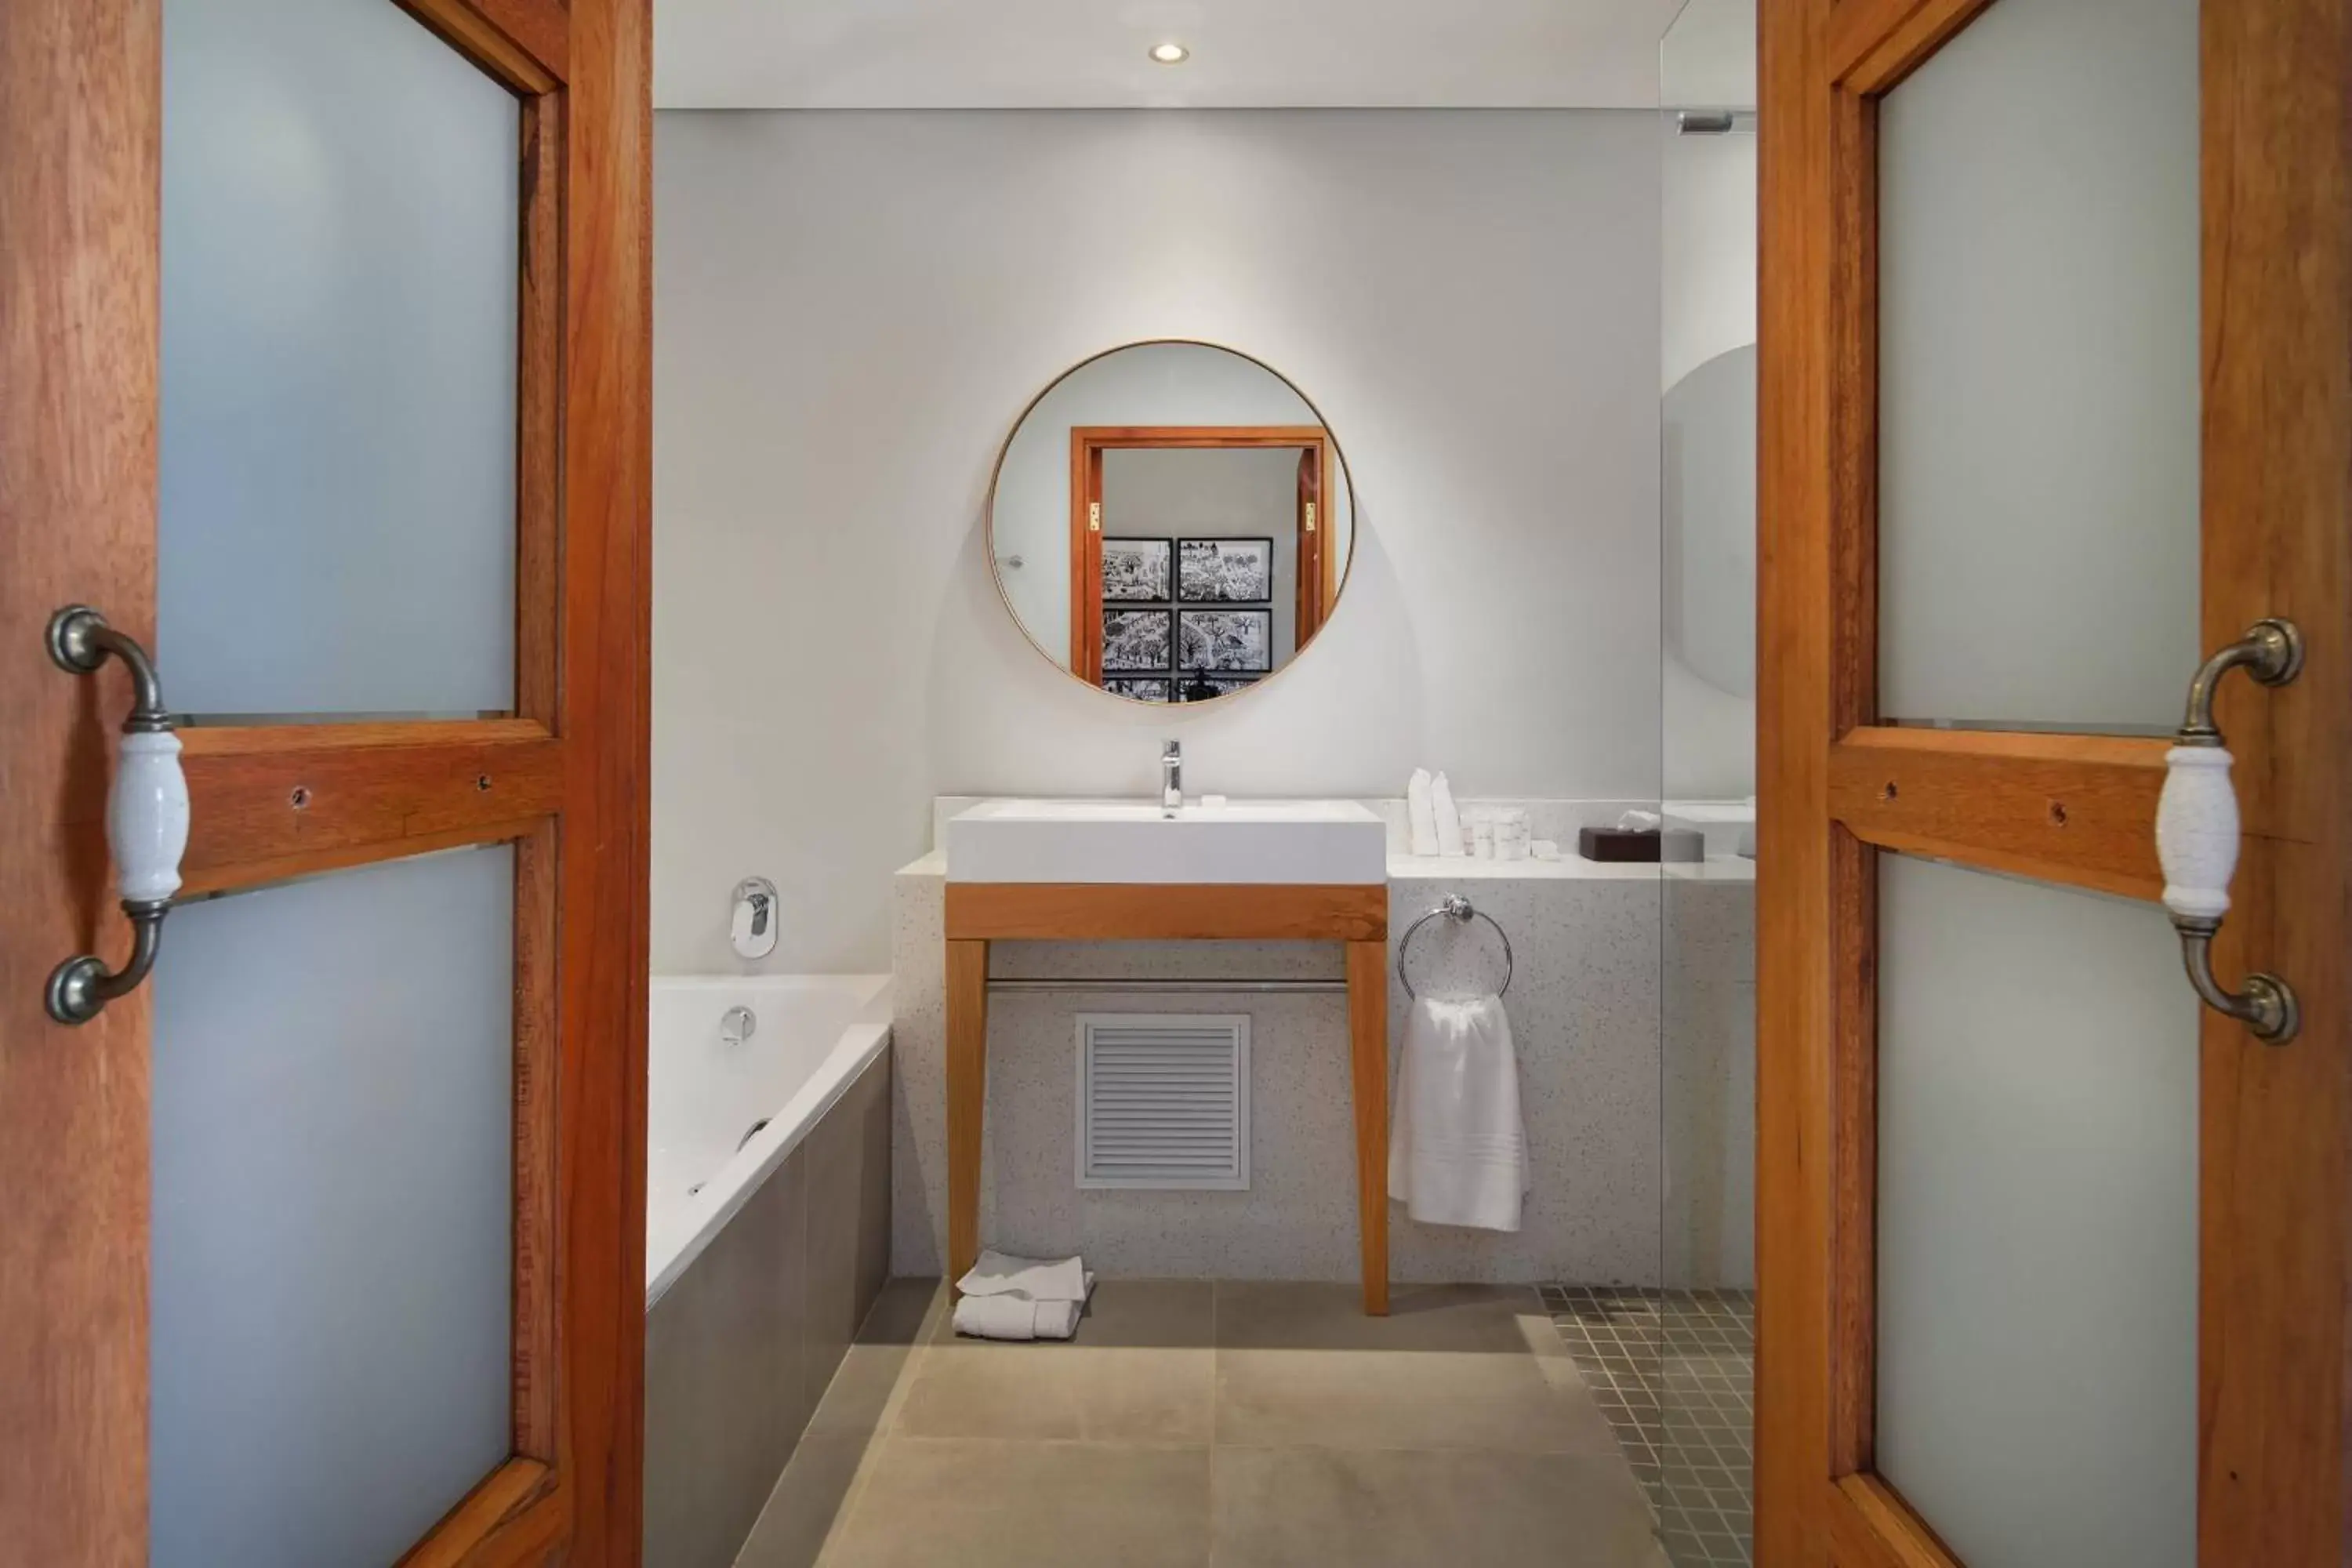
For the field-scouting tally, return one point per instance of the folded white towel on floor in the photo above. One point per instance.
(1013, 1317)
(1040, 1280)
(1457, 1147)
(1009, 1298)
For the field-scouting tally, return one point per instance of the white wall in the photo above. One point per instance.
(852, 308)
(1707, 257)
(1708, 59)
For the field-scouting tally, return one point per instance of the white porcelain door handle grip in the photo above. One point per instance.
(146, 816)
(2197, 833)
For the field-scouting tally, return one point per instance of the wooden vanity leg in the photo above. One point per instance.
(967, 1001)
(1368, 1035)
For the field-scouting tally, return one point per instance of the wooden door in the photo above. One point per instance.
(1859, 810)
(558, 773)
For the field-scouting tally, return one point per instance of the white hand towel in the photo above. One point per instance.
(1001, 1274)
(1012, 1315)
(1449, 819)
(1457, 1147)
(1421, 814)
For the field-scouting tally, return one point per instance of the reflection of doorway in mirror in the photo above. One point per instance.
(1230, 516)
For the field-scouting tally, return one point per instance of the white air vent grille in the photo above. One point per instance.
(1164, 1100)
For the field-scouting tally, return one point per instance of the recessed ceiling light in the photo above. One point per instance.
(1170, 54)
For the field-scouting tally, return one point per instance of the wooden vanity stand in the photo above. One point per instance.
(1355, 914)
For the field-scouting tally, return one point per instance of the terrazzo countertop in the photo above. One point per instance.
(1469, 869)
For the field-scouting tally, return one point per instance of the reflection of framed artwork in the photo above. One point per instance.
(1139, 688)
(1135, 569)
(1223, 571)
(1200, 687)
(1236, 641)
(1135, 640)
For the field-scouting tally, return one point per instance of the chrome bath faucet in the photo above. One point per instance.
(1172, 778)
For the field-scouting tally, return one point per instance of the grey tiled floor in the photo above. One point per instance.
(1214, 1425)
(1673, 1372)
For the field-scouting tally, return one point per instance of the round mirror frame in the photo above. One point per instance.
(996, 569)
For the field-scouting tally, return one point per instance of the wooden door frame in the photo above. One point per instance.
(565, 780)
(1836, 788)
(1315, 559)
(1088, 445)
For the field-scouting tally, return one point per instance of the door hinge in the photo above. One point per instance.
(1310, 517)
(1094, 517)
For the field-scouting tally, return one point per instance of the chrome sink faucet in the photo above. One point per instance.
(1172, 778)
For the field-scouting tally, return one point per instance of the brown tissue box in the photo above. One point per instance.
(1631, 843)
(1617, 843)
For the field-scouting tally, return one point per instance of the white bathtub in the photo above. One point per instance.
(815, 1034)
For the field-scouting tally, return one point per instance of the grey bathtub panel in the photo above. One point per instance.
(873, 1208)
(848, 1156)
(725, 1392)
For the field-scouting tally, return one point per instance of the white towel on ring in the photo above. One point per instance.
(1457, 1146)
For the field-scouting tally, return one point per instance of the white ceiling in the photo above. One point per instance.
(1090, 54)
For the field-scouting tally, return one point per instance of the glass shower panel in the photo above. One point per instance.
(331, 1231)
(2038, 370)
(2037, 1220)
(340, 289)
(1697, 1425)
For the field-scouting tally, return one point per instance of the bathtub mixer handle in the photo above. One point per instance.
(752, 928)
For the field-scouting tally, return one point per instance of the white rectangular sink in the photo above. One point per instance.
(1264, 842)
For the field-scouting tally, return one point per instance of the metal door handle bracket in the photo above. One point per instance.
(146, 816)
(2196, 832)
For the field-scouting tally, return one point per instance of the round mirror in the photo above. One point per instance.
(1171, 522)
(1709, 431)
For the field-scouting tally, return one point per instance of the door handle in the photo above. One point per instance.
(2196, 832)
(146, 816)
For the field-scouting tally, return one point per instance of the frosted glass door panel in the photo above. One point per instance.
(2038, 365)
(341, 260)
(332, 1229)
(2037, 1220)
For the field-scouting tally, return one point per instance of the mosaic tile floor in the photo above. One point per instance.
(1673, 1370)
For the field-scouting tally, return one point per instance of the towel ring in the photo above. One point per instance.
(1456, 909)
